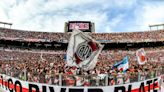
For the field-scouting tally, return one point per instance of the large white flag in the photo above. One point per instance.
(141, 56)
(82, 50)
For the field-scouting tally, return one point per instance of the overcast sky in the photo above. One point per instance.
(108, 15)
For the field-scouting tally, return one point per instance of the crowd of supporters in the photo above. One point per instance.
(147, 36)
(50, 68)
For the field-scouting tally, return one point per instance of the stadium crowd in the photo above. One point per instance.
(146, 36)
(51, 68)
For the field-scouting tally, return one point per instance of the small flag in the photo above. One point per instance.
(123, 65)
(141, 56)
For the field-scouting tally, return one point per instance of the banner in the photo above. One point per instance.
(10, 84)
(82, 50)
(141, 56)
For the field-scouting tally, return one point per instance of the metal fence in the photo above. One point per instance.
(82, 80)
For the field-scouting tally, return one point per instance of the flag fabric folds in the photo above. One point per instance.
(141, 56)
(82, 50)
(123, 65)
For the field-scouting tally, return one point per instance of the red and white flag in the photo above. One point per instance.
(82, 50)
(141, 56)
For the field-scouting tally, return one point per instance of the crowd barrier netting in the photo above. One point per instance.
(82, 80)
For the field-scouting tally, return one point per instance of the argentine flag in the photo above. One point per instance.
(124, 64)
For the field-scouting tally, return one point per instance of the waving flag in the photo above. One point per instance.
(82, 51)
(141, 56)
(124, 64)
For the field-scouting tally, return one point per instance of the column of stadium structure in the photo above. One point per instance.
(60, 79)
(25, 74)
(106, 80)
(41, 56)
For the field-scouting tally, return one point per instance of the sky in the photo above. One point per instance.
(109, 16)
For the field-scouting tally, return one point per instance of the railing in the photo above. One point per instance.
(82, 80)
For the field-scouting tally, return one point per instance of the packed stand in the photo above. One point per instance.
(27, 35)
(51, 68)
